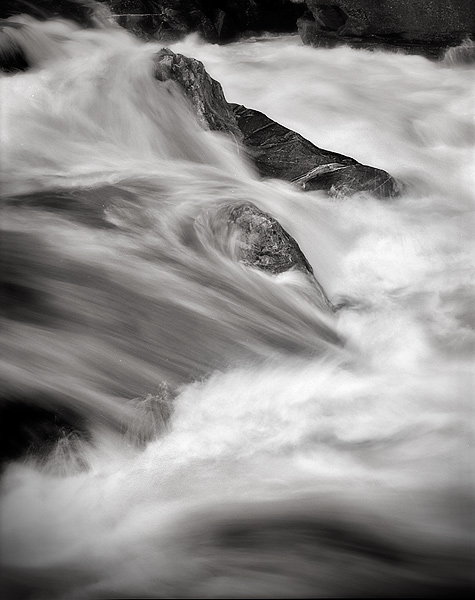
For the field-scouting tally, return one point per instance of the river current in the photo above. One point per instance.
(244, 441)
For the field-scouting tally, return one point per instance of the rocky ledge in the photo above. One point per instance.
(426, 27)
(283, 154)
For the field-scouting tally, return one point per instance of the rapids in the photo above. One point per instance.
(296, 452)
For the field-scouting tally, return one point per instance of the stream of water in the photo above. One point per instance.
(245, 441)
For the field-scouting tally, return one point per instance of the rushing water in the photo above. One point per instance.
(293, 452)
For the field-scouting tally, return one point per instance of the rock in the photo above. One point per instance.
(30, 429)
(264, 244)
(426, 27)
(204, 93)
(281, 153)
(167, 20)
(275, 150)
(214, 20)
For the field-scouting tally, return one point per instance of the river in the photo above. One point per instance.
(244, 441)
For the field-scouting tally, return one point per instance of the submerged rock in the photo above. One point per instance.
(426, 27)
(281, 153)
(29, 429)
(264, 244)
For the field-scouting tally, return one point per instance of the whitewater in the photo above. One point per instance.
(243, 440)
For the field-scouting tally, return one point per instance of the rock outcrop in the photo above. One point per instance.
(281, 153)
(276, 151)
(426, 27)
(214, 20)
(203, 92)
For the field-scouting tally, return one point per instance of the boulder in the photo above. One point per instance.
(281, 153)
(264, 244)
(204, 93)
(426, 27)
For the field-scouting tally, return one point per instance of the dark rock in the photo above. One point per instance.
(204, 93)
(275, 150)
(165, 19)
(214, 20)
(264, 244)
(427, 27)
(34, 427)
(281, 153)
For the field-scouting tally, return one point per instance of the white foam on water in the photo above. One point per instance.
(300, 441)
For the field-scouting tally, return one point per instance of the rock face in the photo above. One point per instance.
(215, 20)
(425, 27)
(279, 152)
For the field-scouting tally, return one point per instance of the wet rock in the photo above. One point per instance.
(275, 150)
(41, 429)
(165, 19)
(264, 244)
(204, 93)
(214, 20)
(281, 153)
(427, 27)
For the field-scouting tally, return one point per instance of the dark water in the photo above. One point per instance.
(291, 452)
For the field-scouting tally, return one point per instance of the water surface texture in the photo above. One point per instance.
(243, 440)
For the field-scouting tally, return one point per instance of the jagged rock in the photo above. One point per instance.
(275, 150)
(264, 244)
(281, 153)
(426, 27)
(204, 93)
